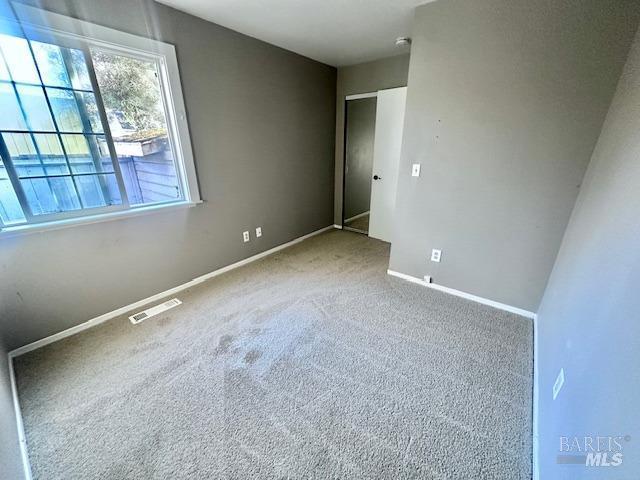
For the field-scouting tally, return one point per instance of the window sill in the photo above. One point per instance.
(103, 217)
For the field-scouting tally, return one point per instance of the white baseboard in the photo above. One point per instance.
(408, 278)
(339, 227)
(159, 296)
(22, 439)
(508, 308)
(357, 216)
(536, 397)
(468, 296)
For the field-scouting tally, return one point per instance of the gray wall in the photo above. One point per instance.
(361, 125)
(505, 102)
(262, 123)
(362, 78)
(589, 319)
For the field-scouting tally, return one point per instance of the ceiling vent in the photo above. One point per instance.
(150, 312)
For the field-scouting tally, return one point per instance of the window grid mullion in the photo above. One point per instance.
(51, 132)
(61, 175)
(6, 156)
(31, 134)
(27, 123)
(15, 180)
(56, 87)
(55, 124)
(105, 126)
(87, 127)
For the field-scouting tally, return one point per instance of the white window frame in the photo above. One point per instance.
(35, 22)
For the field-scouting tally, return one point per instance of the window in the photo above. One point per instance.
(133, 100)
(88, 126)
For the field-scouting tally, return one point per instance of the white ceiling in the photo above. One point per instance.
(336, 32)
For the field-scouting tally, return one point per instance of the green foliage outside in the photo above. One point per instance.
(130, 86)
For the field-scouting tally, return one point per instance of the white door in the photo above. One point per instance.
(386, 161)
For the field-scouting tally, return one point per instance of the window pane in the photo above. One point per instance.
(19, 60)
(35, 107)
(95, 190)
(100, 146)
(11, 117)
(25, 156)
(105, 154)
(114, 189)
(79, 151)
(65, 109)
(50, 148)
(51, 154)
(50, 195)
(78, 70)
(58, 172)
(133, 100)
(51, 64)
(10, 209)
(4, 73)
(19, 144)
(87, 102)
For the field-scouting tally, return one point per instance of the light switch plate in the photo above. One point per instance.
(415, 171)
(258, 232)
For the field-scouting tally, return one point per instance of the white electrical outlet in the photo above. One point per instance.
(258, 232)
(436, 255)
(245, 237)
(415, 171)
(559, 382)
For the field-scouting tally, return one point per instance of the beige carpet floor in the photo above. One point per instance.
(360, 223)
(311, 363)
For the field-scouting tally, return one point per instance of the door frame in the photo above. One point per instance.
(355, 96)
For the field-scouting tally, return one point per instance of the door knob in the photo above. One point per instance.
(376, 177)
